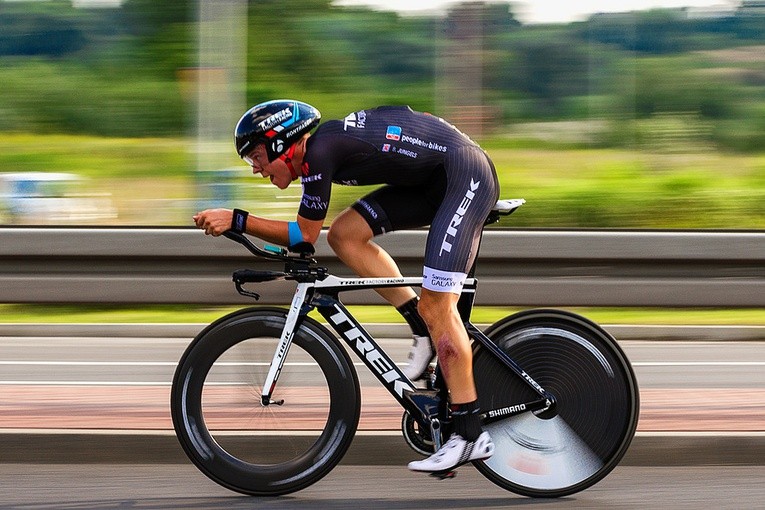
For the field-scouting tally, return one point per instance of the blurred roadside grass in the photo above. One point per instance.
(36, 313)
(152, 181)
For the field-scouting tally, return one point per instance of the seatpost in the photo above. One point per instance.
(465, 304)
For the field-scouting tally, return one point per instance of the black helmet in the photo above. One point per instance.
(278, 124)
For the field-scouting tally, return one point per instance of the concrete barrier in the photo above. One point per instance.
(517, 267)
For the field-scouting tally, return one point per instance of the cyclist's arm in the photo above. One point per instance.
(310, 229)
(278, 231)
(216, 221)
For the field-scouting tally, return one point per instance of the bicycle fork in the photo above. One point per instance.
(283, 347)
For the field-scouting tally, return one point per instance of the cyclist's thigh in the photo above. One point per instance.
(472, 190)
(401, 207)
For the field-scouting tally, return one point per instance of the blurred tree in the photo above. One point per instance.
(164, 39)
(544, 67)
(672, 86)
(336, 52)
(495, 18)
(654, 31)
(148, 17)
(83, 62)
(662, 31)
(48, 29)
(749, 22)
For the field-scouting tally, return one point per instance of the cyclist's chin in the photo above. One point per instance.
(280, 183)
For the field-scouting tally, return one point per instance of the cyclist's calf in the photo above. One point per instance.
(439, 311)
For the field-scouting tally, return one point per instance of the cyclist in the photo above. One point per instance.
(433, 175)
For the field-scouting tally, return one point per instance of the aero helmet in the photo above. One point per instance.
(278, 124)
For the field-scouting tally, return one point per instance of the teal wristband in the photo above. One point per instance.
(296, 235)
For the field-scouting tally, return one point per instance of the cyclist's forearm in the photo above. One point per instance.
(284, 233)
(272, 231)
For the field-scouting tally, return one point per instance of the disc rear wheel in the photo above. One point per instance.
(585, 433)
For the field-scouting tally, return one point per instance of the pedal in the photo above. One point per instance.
(443, 475)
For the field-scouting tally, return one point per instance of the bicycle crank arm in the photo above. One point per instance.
(435, 433)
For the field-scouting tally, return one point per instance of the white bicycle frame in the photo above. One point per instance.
(299, 299)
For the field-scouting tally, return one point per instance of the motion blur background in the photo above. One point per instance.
(122, 112)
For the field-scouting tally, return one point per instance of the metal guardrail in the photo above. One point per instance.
(517, 267)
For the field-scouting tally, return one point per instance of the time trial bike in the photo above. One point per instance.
(558, 395)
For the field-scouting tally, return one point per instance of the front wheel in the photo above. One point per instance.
(591, 424)
(258, 449)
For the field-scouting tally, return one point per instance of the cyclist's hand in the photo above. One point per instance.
(214, 221)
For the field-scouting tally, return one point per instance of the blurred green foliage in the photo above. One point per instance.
(646, 119)
(116, 71)
(565, 187)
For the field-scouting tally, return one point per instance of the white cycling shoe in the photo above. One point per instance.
(420, 356)
(454, 453)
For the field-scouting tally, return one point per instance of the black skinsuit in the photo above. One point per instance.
(435, 175)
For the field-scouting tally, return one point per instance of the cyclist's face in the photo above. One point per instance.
(257, 158)
(276, 170)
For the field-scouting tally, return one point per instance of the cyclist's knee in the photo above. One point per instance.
(436, 307)
(335, 237)
(348, 231)
(342, 240)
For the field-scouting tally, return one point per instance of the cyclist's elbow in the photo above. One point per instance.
(309, 229)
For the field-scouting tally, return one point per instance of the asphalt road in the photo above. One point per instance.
(74, 382)
(143, 361)
(179, 487)
(123, 383)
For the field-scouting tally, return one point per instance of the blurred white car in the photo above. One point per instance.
(34, 198)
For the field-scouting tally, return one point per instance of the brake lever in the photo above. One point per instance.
(241, 290)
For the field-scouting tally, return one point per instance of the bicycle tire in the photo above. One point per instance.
(584, 436)
(243, 445)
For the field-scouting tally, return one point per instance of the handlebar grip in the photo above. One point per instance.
(251, 276)
(305, 250)
(234, 236)
(252, 248)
